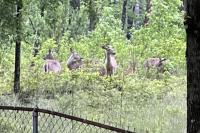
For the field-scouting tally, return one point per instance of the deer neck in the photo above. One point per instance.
(108, 58)
(70, 59)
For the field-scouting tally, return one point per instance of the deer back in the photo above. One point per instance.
(52, 65)
(154, 63)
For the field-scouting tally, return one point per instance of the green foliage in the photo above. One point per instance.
(164, 36)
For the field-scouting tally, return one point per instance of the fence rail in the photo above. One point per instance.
(49, 121)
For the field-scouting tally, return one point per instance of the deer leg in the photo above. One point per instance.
(109, 73)
(147, 72)
(45, 68)
(157, 73)
(113, 71)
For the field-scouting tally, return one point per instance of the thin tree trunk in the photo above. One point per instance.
(92, 16)
(123, 19)
(192, 24)
(18, 47)
(129, 26)
(137, 11)
(37, 42)
(129, 22)
(36, 32)
(42, 8)
(148, 10)
(75, 4)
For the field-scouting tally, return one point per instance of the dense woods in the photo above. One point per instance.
(116, 61)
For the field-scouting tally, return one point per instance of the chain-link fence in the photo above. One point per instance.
(27, 120)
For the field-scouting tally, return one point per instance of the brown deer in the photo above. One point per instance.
(74, 61)
(111, 63)
(156, 63)
(51, 64)
(131, 68)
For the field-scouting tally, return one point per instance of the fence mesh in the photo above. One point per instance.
(20, 120)
(15, 121)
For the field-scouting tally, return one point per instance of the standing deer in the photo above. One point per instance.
(156, 63)
(111, 63)
(74, 61)
(51, 64)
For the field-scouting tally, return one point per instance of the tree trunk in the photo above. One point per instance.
(124, 14)
(42, 8)
(129, 22)
(129, 26)
(148, 10)
(18, 47)
(37, 42)
(75, 4)
(192, 24)
(92, 15)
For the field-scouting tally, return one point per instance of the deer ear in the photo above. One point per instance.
(103, 47)
(70, 49)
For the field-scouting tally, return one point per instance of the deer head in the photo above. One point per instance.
(49, 56)
(108, 49)
(75, 60)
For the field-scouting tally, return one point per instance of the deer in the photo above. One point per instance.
(110, 61)
(51, 64)
(156, 63)
(131, 68)
(74, 61)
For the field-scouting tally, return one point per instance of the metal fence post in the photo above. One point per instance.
(35, 120)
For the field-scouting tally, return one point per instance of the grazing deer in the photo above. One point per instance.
(51, 64)
(131, 68)
(74, 61)
(111, 63)
(156, 63)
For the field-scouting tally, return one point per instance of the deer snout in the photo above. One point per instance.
(103, 47)
(114, 53)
